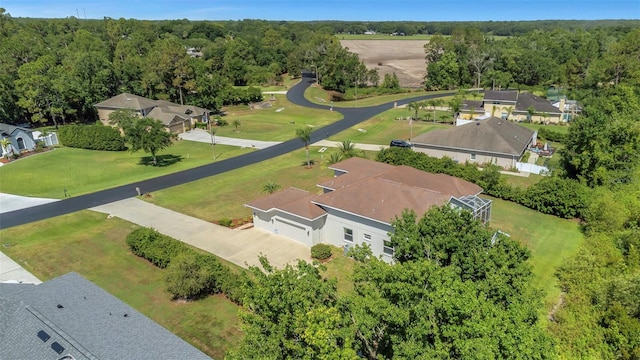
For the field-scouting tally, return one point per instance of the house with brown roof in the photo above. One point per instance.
(175, 118)
(519, 106)
(359, 203)
(489, 141)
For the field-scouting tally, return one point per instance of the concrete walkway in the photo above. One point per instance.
(200, 135)
(10, 202)
(11, 271)
(241, 247)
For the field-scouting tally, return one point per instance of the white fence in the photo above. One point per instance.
(532, 168)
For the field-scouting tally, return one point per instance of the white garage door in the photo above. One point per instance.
(290, 230)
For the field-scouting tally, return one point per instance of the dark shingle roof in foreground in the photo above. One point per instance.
(70, 315)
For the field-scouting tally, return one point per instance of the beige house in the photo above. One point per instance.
(490, 141)
(176, 118)
(514, 106)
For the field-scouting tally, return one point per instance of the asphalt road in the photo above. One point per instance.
(352, 116)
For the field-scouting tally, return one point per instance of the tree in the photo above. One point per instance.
(145, 134)
(236, 124)
(455, 104)
(348, 149)
(7, 149)
(530, 112)
(270, 187)
(304, 135)
(414, 106)
(434, 103)
(186, 278)
(212, 132)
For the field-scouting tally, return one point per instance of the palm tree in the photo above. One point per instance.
(530, 112)
(6, 146)
(509, 111)
(434, 103)
(270, 187)
(236, 124)
(304, 135)
(348, 149)
(334, 158)
(415, 107)
(455, 104)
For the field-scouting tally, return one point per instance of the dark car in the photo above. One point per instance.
(400, 143)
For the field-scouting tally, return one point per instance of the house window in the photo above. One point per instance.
(388, 249)
(21, 144)
(366, 238)
(348, 235)
(473, 156)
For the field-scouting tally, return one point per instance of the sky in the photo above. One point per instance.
(349, 10)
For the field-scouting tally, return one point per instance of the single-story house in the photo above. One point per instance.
(359, 203)
(516, 106)
(176, 118)
(489, 141)
(20, 138)
(69, 317)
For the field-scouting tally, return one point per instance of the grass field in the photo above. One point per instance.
(399, 38)
(550, 239)
(223, 195)
(85, 171)
(317, 95)
(564, 129)
(277, 123)
(93, 246)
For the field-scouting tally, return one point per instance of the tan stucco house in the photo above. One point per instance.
(514, 106)
(176, 118)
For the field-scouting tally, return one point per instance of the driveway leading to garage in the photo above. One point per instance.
(241, 247)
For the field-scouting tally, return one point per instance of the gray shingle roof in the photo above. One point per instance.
(493, 135)
(9, 129)
(86, 321)
(127, 101)
(504, 95)
(525, 100)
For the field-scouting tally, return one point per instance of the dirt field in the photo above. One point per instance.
(404, 57)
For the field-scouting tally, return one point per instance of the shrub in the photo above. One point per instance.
(225, 222)
(321, 251)
(556, 196)
(91, 137)
(159, 249)
(551, 135)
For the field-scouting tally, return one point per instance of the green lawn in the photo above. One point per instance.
(93, 246)
(550, 239)
(386, 126)
(317, 95)
(277, 123)
(523, 182)
(223, 195)
(85, 171)
(564, 129)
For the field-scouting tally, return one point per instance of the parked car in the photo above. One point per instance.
(400, 143)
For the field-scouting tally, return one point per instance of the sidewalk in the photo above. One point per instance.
(11, 271)
(241, 247)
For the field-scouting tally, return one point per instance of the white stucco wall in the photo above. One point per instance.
(274, 222)
(337, 221)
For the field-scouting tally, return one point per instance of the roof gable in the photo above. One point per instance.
(493, 135)
(291, 200)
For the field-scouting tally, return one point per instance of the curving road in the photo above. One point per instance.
(352, 116)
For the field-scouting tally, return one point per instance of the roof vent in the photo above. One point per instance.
(60, 306)
(126, 315)
(57, 347)
(43, 335)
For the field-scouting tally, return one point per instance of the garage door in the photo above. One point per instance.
(290, 230)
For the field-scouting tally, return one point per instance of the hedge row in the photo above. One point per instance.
(553, 195)
(162, 251)
(92, 137)
(551, 135)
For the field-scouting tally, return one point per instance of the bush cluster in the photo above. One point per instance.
(190, 274)
(554, 195)
(92, 137)
(225, 222)
(551, 135)
(321, 251)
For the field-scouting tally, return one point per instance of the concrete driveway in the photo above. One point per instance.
(10, 202)
(11, 271)
(241, 247)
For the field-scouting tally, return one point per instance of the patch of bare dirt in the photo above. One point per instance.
(405, 58)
